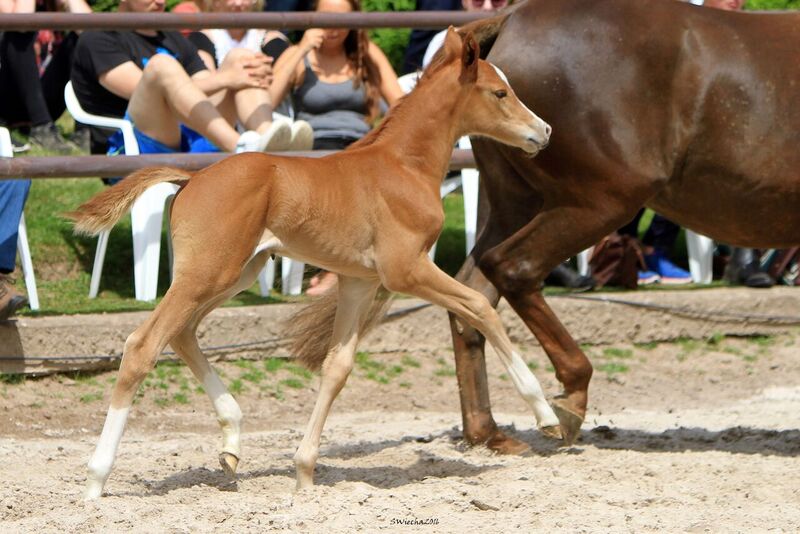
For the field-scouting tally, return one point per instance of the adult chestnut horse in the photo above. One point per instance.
(370, 214)
(690, 111)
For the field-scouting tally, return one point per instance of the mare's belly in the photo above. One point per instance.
(732, 210)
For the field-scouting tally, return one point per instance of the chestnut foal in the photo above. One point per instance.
(369, 214)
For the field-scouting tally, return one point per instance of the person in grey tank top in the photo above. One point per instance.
(337, 78)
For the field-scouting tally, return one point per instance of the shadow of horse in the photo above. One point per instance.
(737, 440)
(383, 477)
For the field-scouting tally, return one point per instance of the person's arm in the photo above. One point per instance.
(17, 6)
(75, 6)
(289, 70)
(122, 79)
(252, 71)
(390, 88)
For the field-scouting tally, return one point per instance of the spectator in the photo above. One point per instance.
(13, 194)
(158, 81)
(214, 46)
(657, 247)
(337, 78)
(31, 83)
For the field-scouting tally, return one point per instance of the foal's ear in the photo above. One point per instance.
(452, 43)
(470, 53)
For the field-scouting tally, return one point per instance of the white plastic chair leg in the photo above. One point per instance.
(701, 257)
(97, 269)
(147, 215)
(266, 278)
(292, 276)
(27, 264)
(583, 261)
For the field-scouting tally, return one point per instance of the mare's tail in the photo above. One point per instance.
(102, 211)
(310, 330)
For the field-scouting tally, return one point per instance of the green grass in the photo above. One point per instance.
(612, 368)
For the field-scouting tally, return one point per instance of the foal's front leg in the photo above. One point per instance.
(422, 278)
(355, 297)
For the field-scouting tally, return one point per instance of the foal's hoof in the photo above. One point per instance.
(552, 431)
(570, 422)
(503, 444)
(229, 463)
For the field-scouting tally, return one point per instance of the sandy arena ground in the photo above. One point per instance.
(689, 436)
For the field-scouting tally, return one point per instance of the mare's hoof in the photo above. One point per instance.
(570, 422)
(552, 431)
(229, 463)
(503, 444)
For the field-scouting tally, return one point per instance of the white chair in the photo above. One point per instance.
(147, 215)
(468, 181)
(701, 257)
(6, 151)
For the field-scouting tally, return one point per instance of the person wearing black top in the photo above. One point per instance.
(34, 68)
(158, 81)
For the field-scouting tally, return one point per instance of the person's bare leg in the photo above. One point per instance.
(166, 97)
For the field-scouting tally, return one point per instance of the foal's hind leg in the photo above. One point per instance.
(227, 409)
(141, 350)
(355, 297)
(424, 279)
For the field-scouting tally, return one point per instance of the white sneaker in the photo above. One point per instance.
(277, 138)
(249, 141)
(302, 136)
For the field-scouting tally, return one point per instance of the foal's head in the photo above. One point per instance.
(491, 108)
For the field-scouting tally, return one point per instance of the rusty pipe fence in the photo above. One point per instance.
(104, 166)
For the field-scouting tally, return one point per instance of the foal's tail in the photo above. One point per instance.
(310, 330)
(102, 211)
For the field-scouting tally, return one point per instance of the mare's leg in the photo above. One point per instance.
(227, 409)
(424, 279)
(355, 298)
(517, 268)
(473, 388)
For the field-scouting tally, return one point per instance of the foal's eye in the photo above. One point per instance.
(500, 93)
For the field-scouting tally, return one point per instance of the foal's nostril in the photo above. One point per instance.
(548, 129)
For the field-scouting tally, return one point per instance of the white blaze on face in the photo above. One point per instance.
(539, 124)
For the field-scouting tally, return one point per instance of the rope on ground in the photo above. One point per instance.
(684, 311)
(715, 316)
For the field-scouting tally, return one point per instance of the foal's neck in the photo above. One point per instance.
(423, 127)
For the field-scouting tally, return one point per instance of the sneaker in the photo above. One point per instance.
(277, 138)
(749, 275)
(565, 276)
(668, 271)
(647, 278)
(249, 141)
(10, 299)
(47, 137)
(18, 144)
(82, 139)
(302, 136)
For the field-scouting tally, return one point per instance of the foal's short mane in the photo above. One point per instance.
(402, 107)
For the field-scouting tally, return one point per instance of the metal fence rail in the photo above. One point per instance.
(108, 166)
(279, 21)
